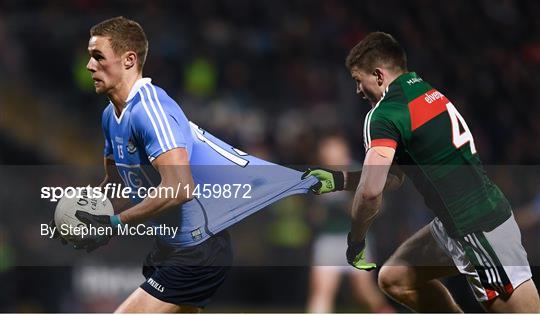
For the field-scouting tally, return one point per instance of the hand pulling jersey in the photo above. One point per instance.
(230, 183)
(437, 150)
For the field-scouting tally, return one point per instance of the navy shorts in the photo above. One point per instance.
(188, 275)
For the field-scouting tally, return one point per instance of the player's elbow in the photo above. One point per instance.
(175, 195)
(370, 193)
(175, 202)
(186, 198)
(180, 199)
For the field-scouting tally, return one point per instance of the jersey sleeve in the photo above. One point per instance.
(381, 128)
(157, 124)
(107, 150)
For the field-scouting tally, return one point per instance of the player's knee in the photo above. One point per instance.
(392, 280)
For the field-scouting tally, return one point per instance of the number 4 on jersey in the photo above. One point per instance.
(458, 138)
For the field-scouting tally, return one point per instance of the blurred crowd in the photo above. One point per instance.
(269, 77)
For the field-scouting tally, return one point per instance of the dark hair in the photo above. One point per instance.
(377, 49)
(125, 35)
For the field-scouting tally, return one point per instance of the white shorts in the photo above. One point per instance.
(494, 262)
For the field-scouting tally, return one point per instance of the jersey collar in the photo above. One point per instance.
(405, 77)
(136, 87)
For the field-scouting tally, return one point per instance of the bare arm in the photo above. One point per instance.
(173, 167)
(393, 181)
(368, 196)
(330, 180)
(111, 172)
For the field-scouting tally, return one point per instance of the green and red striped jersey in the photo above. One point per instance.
(436, 150)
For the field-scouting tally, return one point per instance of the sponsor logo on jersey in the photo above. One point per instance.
(118, 139)
(432, 97)
(414, 80)
(155, 285)
(196, 234)
(426, 107)
(131, 148)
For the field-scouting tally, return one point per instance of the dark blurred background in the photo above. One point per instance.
(269, 77)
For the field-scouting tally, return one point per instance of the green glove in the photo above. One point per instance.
(356, 255)
(329, 180)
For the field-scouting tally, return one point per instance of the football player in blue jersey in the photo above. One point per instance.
(150, 143)
(118, 49)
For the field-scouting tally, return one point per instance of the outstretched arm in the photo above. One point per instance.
(331, 180)
(393, 181)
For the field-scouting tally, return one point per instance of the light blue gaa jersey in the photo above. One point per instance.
(230, 184)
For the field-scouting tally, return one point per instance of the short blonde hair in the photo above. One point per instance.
(125, 35)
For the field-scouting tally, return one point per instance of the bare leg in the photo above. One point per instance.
(524, 299)
(368, 293)
(410, 275)
(324, 281)
(141, 302)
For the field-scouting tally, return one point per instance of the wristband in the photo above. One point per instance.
(339, 180)
(115, 221)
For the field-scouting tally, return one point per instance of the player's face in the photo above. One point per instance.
(104, 64)
(367, 85)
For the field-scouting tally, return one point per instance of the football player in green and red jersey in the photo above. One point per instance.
(474, 232)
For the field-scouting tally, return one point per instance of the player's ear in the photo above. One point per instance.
(130, 59)
(379, 75)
